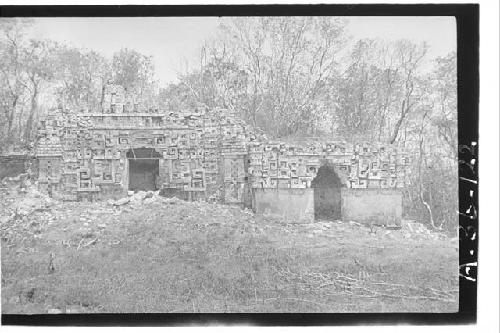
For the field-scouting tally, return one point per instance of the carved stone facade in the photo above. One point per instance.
(209, 154)
(90, 154)
(279, 165)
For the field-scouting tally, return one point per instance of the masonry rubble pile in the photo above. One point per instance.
(139, 198)
(30, 216)
(29, 201)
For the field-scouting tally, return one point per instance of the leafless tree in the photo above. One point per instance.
(12, 76)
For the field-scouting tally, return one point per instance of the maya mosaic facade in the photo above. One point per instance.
(209, 154)
(278, 165)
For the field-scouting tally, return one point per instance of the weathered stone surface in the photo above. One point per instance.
(148, 201)
(122, 201)
(293, 204)
(185, 154)
(12, 165)
(372, 206)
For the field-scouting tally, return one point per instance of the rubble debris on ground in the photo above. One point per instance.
(137, 198)
(20, 181)
(26, 216)
(80, 230)
(120, 202)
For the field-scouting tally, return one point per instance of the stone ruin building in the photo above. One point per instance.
(211, 154)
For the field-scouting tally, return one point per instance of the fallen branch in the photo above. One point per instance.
(79, 244)
(88, 244)
(317, 281)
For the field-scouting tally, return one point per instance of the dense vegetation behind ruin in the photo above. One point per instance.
(292, 77)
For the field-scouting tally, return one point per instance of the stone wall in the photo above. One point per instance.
(372, 206)
(87, 154)
(368, 165)
(208, 154)
(12, 165)
(294, 205)
(197, 152)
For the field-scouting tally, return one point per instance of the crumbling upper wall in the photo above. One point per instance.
(118, 100)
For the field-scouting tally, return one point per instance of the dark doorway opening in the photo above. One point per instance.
(327, 200)
(144, 169)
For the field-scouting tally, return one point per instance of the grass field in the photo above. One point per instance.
(167, 255)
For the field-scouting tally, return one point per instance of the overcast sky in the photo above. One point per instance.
(174, 40)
